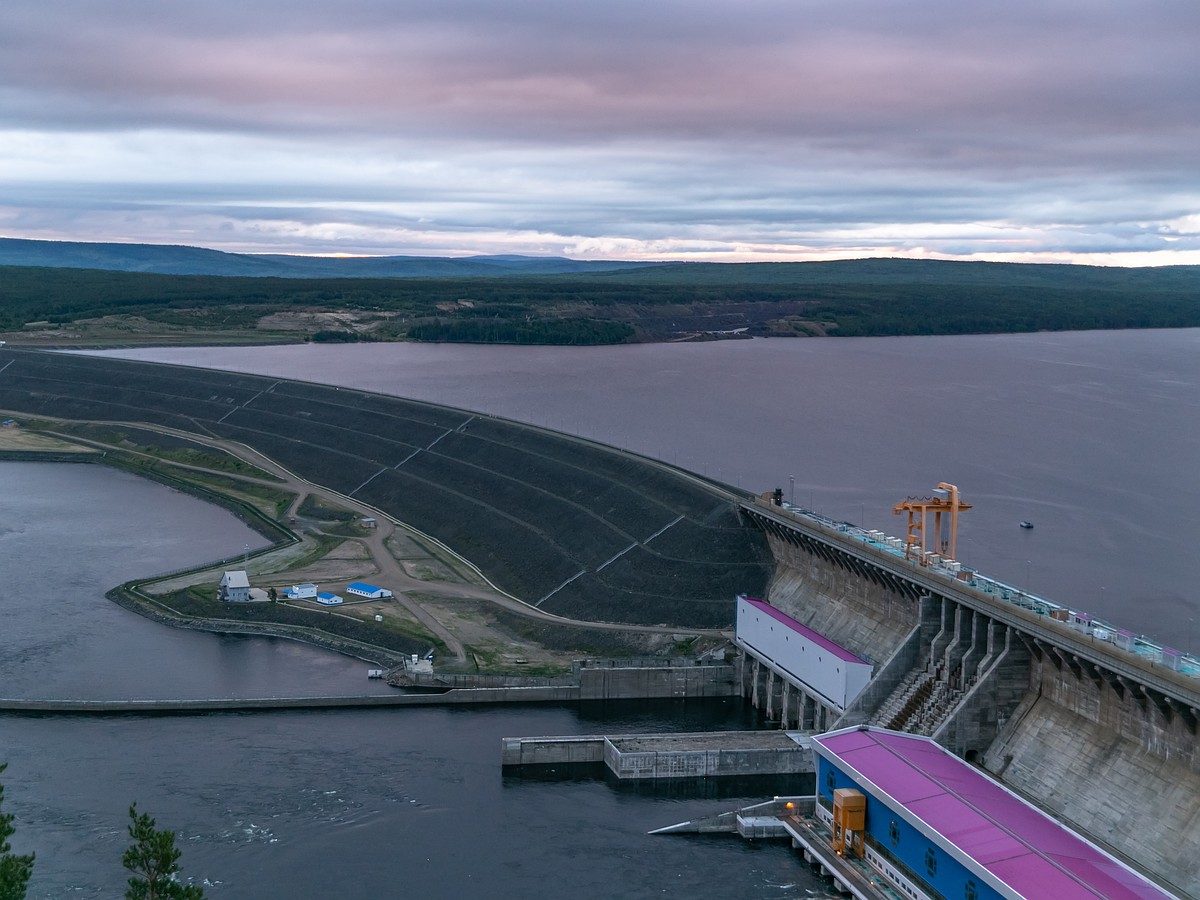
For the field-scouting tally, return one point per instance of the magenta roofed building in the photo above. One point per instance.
(937, 828)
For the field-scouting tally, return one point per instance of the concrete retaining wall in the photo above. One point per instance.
(707, 755)
(1142, 805)
(548, 751)
(849, 609)
(676, 682)
(706, 763)
(167, 707)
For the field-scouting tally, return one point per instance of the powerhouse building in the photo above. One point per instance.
(937, 828)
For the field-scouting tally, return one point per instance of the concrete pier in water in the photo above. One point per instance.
(703, 755)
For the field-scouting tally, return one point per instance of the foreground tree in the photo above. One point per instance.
(154, 861)
(14, 870)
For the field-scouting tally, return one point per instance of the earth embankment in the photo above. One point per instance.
(569, 526)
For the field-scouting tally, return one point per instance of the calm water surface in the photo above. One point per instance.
(71, 532)
(296, 804)
(1092, 436)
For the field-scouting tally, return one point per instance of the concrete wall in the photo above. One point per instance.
(707, 763)
(1002, 684)
(549, 751)
(1113, 766)
(861, 615)
(1141, 805)
(676, 682)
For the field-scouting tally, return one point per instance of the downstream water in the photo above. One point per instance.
(1092, 436)
(68, 533)
(300, 804)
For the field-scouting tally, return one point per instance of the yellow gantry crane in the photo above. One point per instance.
(944, 500)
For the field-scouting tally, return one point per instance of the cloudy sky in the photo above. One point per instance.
(1028, 130)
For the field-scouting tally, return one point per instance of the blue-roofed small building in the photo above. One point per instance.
(327, 598)
(370, 591)
(934, 827)
(306, 591)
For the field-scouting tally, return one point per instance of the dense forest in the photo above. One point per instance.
(669, 302)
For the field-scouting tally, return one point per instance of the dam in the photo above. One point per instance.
(1095, 724)
(1101, 735)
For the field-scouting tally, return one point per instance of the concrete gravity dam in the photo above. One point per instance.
(1091, 727)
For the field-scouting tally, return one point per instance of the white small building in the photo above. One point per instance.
(325, 598)
(370, 591)
(301, 592)
(235, 587)
(808, 660)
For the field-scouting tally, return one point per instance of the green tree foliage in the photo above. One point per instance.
(521, 331)
(14, 869)
(154, 861)
(856, 297)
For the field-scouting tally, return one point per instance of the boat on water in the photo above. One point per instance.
(1025, 524)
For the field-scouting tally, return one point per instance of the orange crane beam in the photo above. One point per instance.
(945, 500)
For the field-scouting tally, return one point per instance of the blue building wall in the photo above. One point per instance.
(891, 835)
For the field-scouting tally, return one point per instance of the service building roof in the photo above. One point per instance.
(819, 639)
(992, 829)
(362, 586)
(235, 578)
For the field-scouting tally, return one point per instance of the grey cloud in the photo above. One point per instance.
(719, 121)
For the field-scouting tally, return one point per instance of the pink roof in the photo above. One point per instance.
(819, 639)
(1016, 843)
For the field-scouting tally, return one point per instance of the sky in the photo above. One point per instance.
(724, 130)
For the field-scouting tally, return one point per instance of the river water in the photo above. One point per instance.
(1094, 437)
(288, 805)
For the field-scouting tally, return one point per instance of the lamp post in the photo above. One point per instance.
(792, 492)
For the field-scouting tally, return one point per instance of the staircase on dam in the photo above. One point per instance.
(921, 704)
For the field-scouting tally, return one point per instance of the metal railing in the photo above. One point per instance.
(1077, 621)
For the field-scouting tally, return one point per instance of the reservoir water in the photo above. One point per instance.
(1094, 437)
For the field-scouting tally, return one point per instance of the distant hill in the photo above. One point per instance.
(888, 271)
(167, 259)
(105, 293)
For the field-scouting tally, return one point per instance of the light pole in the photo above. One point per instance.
(792, 493)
